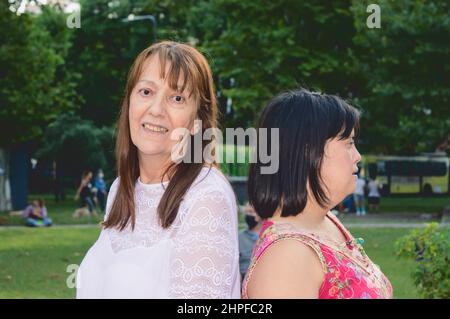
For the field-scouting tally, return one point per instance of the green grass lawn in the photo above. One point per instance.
(414, 204)
(61, 212)
(379, 246)
(33, 262)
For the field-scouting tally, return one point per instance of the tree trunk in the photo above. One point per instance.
(5, 190)
(18, 175)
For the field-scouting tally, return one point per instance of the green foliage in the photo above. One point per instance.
(77, 145)
(237, 167)
(405, 67)
(101, 53)
(431, 249)
(105, 47)
(34, 84)
(271, 46)
(397, 75)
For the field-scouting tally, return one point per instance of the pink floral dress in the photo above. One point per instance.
(348, 271)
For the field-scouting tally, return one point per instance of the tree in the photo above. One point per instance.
(34, 87)
(105, 46)
(406, 65)
(271, 46)
(100, 54)
(77, 145)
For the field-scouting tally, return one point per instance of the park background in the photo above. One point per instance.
(63, 67)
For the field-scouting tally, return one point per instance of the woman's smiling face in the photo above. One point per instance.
(156, 110)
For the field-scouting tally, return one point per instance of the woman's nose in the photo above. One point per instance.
(357, 156)
(156, 106)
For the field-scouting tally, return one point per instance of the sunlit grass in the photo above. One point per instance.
(33, 262)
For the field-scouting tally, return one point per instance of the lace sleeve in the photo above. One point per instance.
(205, 259)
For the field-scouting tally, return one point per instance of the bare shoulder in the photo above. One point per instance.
(287, 269)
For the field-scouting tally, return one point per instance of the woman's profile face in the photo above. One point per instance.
(339, 168)
(156, 110)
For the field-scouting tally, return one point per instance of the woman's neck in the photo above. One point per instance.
(152, 168)
(311, 218)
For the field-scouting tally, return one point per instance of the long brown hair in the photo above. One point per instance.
(184, 60)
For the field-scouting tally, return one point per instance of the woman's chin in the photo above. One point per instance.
(350, 189)
(353, 186)
(152, 151)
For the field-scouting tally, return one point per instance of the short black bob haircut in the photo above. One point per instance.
(306, 120)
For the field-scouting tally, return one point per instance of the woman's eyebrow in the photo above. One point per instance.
(350, 137)
(153, 83)
(148, 81)
(178, 90)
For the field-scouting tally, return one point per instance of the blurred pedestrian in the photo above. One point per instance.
(85, 194)
(100, 190)
(248, 238)
(374, 194)
(358, 196)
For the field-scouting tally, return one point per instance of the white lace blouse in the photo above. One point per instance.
(196, 257)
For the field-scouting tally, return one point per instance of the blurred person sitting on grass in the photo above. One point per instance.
(35, 214)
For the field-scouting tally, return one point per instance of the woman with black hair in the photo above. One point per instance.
(303, 250)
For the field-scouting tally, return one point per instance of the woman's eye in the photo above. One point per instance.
(178, 99)
(144, 92)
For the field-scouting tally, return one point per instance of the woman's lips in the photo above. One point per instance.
(153, 128)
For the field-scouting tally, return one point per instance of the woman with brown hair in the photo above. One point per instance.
(170, 229)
